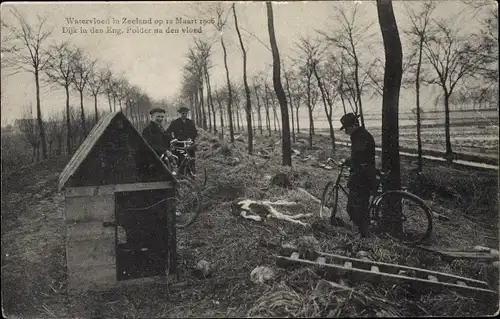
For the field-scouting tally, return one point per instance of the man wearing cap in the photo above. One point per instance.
(183, 129)
(362, 171)
(154, 133)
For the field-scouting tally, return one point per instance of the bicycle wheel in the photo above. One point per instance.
(415, 215)
(190, 171)
(334, 199)
(188, 202)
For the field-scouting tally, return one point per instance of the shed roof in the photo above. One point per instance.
(114, 152)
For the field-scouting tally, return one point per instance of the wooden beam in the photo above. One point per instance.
(87, 191)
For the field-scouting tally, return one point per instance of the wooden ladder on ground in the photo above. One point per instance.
(367, 270)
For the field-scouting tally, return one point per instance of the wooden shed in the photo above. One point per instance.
(119, 208)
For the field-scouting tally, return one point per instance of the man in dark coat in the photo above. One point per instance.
(183, 129)
(362, 179)
(154, 133)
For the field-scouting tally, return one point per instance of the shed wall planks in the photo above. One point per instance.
(92, 208)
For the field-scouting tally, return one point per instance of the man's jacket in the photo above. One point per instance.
(182, 130)
(156, 137)
(362, 162)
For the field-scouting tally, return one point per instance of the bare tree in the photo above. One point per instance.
(390, 102)
(290, 98)
(219, 98)
(311, 51)
(248, 106)
(28, 126)
(60, 72)
(204, 63)
(347, 37)
(328, 92)
(108, 87)
(96, 86)
(418, 33)
(219, 25)
(257, 86)
(25, 52)
(453, 57)
(82, 69)
(267, 97)
(278, 88)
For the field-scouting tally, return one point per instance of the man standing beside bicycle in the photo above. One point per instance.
(183, 129)
(362, 178)
(155, 134)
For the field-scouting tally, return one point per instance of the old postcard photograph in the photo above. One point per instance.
(249, 159)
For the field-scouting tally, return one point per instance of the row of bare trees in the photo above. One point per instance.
(26, 47)
(339, 68)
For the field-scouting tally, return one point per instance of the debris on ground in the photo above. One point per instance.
(204, 269)
(281, 180)
(476, 253)
(262, 274)
(258, 210)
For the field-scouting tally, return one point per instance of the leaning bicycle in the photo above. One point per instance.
(187, 165)
(187, 193)
(415, 214)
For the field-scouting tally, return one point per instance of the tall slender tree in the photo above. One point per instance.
(248, 105)
(60, 72)
(26, 52)
(390, 102)
(418, 31)
(278, 88)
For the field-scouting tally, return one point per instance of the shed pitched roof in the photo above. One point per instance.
(98, 142)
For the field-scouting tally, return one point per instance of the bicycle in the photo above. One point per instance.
(187, 194)
(414, 211)
(187, 166)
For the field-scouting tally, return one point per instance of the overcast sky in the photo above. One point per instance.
(154, 61)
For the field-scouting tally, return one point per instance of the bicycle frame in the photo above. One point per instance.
(375, 196)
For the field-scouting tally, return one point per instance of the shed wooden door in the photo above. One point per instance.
(144, 238)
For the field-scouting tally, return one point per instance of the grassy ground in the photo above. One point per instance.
(33, 254)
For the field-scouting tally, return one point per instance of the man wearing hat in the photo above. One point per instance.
(362, 177)
(183, 129)
(154, 133)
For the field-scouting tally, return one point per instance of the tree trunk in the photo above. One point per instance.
(327, 105)
(266, 106)
(248, 108)
(221, 116)
(95, 107)
(68, 123)
(291, 107)
(109, 102)
(358, 89)
(230, 93)
(114, 103)
(259, 116)
(209, 110)
(202, 106)
(39, 116)
(311, 127)
(209, 92)
(390, 104)
(449, 152)
(278, 88)
(82, 116)
(417, 93)
(297, 117)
